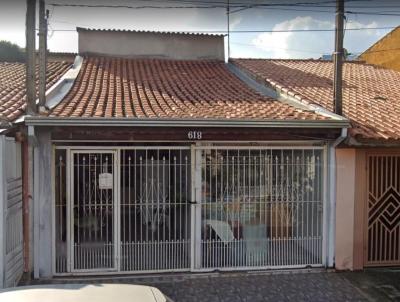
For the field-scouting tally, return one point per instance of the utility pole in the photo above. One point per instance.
(43, 17)
(338, 57)
(30, 81)
(228, 27)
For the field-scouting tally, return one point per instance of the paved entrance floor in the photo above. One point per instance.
(374, 285)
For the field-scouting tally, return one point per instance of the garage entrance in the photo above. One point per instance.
(187, 208)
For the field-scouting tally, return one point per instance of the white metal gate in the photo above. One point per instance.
(260, 207)
(154, 209)
(126, 209)
(93, 211)
(11, 202)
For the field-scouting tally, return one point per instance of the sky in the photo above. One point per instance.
(206, 15)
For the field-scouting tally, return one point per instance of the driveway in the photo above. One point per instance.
(374, 285)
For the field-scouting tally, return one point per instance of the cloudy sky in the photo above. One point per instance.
(208, 15)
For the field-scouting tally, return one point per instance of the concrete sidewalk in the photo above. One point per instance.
(374, 285)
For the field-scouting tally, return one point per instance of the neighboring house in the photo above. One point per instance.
(176, 161)
(368, 160)
(385, 52)
(13, 182)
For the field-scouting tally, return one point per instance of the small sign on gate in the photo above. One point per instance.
(105, 181)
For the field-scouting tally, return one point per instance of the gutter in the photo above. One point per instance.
(278, 94)
(163, 122)
(341, 138)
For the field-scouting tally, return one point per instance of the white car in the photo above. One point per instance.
(83, 293)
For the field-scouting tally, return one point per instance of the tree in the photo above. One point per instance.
(10, 52)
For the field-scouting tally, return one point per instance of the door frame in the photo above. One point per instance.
(195, 207)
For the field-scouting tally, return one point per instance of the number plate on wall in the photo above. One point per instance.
(195, 135)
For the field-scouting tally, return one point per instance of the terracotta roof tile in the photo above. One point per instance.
(155, 88)
(12, 86)
(371, 94)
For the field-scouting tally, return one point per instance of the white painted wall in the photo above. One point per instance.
(151, 44)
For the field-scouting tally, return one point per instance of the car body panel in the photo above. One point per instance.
(83, 293)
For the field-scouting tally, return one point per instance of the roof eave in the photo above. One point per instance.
(368, 142)
(152, 122)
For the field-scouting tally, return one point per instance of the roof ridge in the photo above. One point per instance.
(145, 58)
(199, 33)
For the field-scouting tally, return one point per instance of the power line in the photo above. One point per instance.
(249, 3)
(207, 4)
(268, 31)
(382, 13)
(299, 7)
(379, 50)
(373, 14)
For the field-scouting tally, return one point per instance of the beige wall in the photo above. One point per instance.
(385, 52)
(345, 196)
(148, 44)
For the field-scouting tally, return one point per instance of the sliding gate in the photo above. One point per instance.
(154, 209)
(261, 207)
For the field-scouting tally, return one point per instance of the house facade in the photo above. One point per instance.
(367, 170)
(165, 164)
(162, 157)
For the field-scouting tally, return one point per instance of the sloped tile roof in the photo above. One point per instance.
(371, 94)
(155, 88)
(12, 86)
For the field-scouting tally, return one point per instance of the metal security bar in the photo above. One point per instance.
(383, 210)
(261, 207)
(155, 212)
(93, 209)
(61, 211)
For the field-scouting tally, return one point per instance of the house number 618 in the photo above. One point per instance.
(194, 135)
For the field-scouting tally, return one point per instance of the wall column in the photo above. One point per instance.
(43, 218)
(345, 205)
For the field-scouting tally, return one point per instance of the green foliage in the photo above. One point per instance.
(10, 52)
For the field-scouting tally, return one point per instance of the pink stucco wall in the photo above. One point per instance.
(345, 204)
